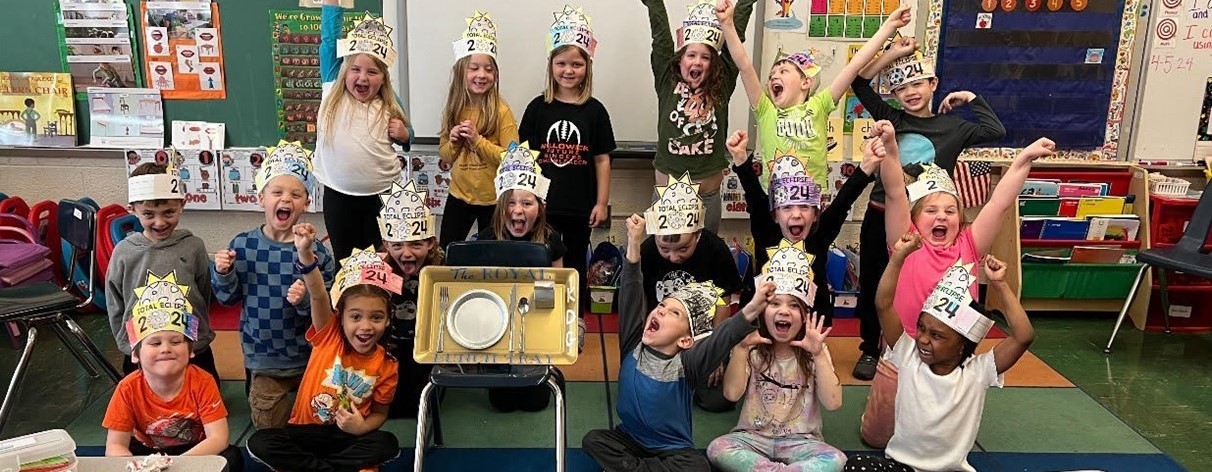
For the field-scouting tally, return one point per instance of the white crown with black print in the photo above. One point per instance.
(908, 69)
(951, 303)
(364, 266)
(287, 158)
(790, 183)
(790, 269)
(480, 37)
(700, 300)
(166, 186)
(370, 36)
(701, 26)
(571, 27)
(405, 216)
(678, 208)
(932, 179)
(519, 170)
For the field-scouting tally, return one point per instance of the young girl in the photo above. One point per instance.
(941, 393)
(476, 126)
(350, 378)
(693, 84)
(574, 137)
(355, 128)
(785, 373)
(937, 217)
(407, 227)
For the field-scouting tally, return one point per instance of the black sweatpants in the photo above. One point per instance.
(351, 222)
(869, 463)
(235, 459)
(873, 259)
(204, 359)
(614, 450)
(317, 447)
(458, 217)
(575, 230)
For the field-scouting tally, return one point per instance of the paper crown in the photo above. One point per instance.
(286, 159)
(480, 37)
(166, 186)
(951, 303)
(161, 305)
(701, 26)
(404, 216)
(803, 60)
(932, 179)
(908, 69)
(790, 183)
(520, 171)
(700, 300)
(571, 27)
(790, 268)
(678, 208)
(370, 36)
(364, 266)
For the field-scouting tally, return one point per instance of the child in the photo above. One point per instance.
(407, 227)
(783, 370)
(925, 138)
(157, 199)
(166, 406)
(665, 356)
(791, 116)
(30, 116)
(256, 269)
(520, 213)
(937, 217)
(941, 393)
(355, 127)
(350, 379)
(476, 126)
(792, 208)
(574, 137)
(693, 84)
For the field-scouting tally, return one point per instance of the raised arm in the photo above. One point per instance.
(989, 221)
(662, 42)
(631, 288)
(321, 306)
(829, 225)
(905, 46)
(890, 321)
(1007, 352)
(736, 48)
(896, 201)
(988, 127)
(898, 19)
(331, 18)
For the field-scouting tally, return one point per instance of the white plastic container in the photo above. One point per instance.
(38, 447)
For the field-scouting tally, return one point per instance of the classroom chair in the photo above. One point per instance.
(44, 215)
(1188, 257)
(46, 304)
(489, 254)
(14, 205)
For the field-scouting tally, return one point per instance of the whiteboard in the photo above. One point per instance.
(622, 72)
(1176, 67)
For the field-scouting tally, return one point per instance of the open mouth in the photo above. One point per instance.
(364, 338)
(912, 102)
(517, 226)
(797, 231)
(696, 74)
(776, 89)
(782, 327)
(923, 353)
(408, 267)
(282, 215)
(653, 325)
(938, 232)
(362, 90)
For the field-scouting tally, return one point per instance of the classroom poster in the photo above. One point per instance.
(183, 49)
(789, 16)
(198, 171)
(197, 135)
(845, 18)
(295, 41)
(239, 167)
(733, 196)
(37, 109)
(431, 175)
(346, 4)
(95, 44)
(125, 118)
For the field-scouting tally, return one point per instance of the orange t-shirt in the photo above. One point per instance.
(160, 423)
(336, 373)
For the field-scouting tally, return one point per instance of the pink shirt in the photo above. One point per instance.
(922, 271)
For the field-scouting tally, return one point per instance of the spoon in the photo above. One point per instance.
(523, 308)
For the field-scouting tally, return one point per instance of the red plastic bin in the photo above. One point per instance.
(1169, 217)
(1195, 297)
(1120, 180)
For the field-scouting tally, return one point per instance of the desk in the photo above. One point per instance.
(180, 464)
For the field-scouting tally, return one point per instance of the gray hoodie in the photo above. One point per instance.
(128, 267)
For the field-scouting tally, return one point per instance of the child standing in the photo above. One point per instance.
(926, 138)
(257, 269)
(166, 406)
(574, 137)
(476, 126)
(350, 379)
(30, 116)
(785, 373)
(157, 199)
(694, 82)
(666, 355)
(356, 126)
(941, 392)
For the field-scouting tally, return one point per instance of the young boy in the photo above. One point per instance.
(791, 116)
(157, 199)
(259, 268)
(665, 357)
(167, 405)
(925, 138)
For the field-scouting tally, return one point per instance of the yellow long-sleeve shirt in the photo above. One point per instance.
(473, 167)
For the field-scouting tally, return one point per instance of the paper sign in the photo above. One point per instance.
(198, 171)
(161, 75)
(862, 127)
(835, 142)
(210, 76)
(157, 42)
(984, 20)
(207, 41)
(187, 59)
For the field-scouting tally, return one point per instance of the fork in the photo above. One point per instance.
(444, 303)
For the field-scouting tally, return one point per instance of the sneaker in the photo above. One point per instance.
(864, 369)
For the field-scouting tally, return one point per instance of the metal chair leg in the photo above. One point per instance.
(418, 457)
(1124, 311)
(560, 440)
(93, 350)
(436, 416)
(70, 343)
(18, 374)
(605, 373)
(1161, 275)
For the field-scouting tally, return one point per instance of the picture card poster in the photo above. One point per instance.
(183, 49)
(239, 168)
(96, 44)
(198, 171)
(431, 175)
(37, 109)
(125, 118)
(295, 41)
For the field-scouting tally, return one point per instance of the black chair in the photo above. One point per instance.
(45, 303)
(1187, 257)
(489, 254)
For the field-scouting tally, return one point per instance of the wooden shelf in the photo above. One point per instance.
(1185, 288)
(1077, 242)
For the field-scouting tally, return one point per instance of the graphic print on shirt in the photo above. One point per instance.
(915, 149)
(795, 126)
(563, 145)
(174, 431)
(671, 282)
(780, 403)
(352, 387)
(695, 118)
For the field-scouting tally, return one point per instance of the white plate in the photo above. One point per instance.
(477, 319)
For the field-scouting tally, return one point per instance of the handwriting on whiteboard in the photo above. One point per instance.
(1166, 63)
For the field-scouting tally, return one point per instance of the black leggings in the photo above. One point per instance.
(351, 222)
(873, 252)
(575, 230)
(457, 218)
(867, 463)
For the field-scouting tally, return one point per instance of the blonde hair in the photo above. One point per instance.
(458, 98)
(586, 83)
(328, 109)
(918, 206)
(500, 218)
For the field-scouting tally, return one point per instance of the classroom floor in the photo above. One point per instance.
(1146, 407)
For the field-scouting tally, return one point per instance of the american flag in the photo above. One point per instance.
(972, 181)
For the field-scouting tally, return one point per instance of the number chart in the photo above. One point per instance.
(295, 42)
(847, 18)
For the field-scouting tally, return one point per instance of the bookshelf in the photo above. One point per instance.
(1124, 179)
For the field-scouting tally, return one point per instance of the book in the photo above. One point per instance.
(1073, 189)
(1031, 227)
(1113, 227)
(1038, 206)
(1040, 188)
(1064, 228)
(1051, 256)
(1096, 254)
(1100, 206)
(1068, 207)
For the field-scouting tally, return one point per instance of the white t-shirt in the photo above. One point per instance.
(359, 159)
(937, 417)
